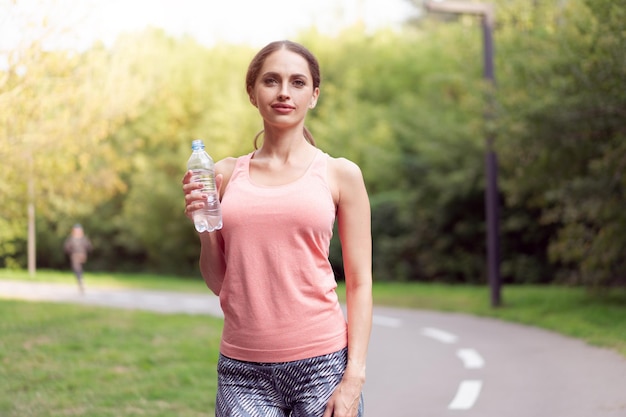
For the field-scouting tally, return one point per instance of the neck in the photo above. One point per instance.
(283, 142)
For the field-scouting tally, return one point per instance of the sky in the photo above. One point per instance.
(249, 21)
(255, 22)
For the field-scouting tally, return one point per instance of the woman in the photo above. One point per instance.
(286, 348)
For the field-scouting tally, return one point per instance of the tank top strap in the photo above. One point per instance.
(319, 166)
(242, 167)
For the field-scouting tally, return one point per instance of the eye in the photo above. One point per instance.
(299, 83)
(270, 81)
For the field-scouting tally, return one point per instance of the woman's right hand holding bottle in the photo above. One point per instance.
(195, 200)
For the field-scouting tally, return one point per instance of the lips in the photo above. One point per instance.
(283, 108)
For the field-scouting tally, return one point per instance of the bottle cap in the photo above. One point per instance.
(197, 144)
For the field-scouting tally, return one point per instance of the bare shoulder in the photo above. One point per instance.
(343, 169)
(225, 166)
(344, 178)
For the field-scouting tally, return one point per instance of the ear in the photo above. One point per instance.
(251, 97)
(313, 102)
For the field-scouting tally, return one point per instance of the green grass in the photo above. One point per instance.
(598, 319)
(111, 280)
(71, 360)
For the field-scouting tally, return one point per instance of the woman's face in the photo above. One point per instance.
(283, 92)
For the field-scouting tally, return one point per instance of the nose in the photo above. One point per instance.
(283, 94)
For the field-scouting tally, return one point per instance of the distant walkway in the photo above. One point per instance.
(157, 301)
(430, 364)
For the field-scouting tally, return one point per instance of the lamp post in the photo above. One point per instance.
(485, 11)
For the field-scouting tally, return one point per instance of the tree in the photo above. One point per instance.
(57, 108)
(566, 156)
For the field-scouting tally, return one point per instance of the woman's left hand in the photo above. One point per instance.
(346, 399)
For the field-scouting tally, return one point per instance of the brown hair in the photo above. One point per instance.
(259, 59)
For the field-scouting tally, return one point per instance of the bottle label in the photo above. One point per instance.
(205, 177)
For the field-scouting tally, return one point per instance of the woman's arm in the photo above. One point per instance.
(212, 263)
(354, 225)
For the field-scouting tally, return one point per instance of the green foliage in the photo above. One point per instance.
(57, 109)
(415, 130)
(194, 96)
(565, 148)
(102, 137)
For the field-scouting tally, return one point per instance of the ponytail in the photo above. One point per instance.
(309, 136)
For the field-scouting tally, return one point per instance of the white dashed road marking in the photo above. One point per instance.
(471, 359)
(466, 395)
(469, 390)
(386, 321)
(439, 335)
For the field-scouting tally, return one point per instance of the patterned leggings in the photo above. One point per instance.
(287, 389)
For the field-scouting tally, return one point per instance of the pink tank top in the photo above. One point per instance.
(278, 295)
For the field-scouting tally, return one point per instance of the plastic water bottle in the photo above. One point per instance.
(208, 218)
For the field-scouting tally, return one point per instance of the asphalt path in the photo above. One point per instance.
(430, 364)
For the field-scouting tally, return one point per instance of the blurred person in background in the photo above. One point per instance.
(77, 245)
